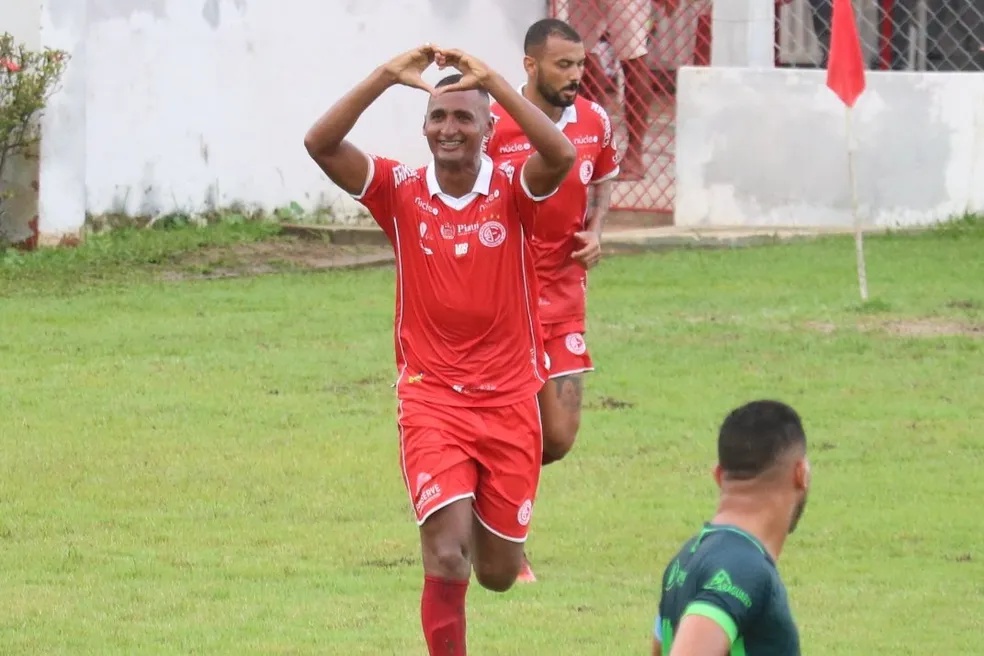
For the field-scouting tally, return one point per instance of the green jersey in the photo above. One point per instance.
(726, 575)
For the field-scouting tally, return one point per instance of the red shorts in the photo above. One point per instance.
(492, 455)
(567, 354)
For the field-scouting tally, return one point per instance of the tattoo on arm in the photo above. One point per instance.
(599, 201)
(594, 201)
(570, 392)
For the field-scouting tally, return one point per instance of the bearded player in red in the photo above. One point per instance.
(467, 333)
(567, 236)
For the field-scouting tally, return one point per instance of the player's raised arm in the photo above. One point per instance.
(342, 162)
(555, 154)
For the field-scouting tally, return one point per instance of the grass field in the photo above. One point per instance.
(210, 467)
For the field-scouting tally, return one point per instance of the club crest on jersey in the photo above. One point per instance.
(447, 231)
(492, 234)
(525, 512)
(575, 344)
(587, 168)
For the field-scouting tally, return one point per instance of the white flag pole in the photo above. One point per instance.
(858, 231)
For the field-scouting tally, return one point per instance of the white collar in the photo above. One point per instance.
(482, 183)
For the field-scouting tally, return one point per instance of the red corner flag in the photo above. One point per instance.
(845, 64)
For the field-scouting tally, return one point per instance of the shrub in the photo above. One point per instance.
(27, 80)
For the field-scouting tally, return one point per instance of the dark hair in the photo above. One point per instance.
(454, 78)
(539, 31)
(756, 436)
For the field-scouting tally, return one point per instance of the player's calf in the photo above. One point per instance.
(497, 560)
(445, 544)
(560, 409)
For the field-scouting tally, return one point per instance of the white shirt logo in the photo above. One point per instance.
(492, 234)
(525, 512)
(587, 168)
(423, 237)
(514, 148)
(575, 344)
(402, 173)
(424, 205)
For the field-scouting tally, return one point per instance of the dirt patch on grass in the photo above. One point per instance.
(272, 256)
(924, 327)
(824, 327)
(930, 328)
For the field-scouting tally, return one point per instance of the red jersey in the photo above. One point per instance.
(562, 282)
(466, 329)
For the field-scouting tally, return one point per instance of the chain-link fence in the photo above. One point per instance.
(899, 35)
(635, 48)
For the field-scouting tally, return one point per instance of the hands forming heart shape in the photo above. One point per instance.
(407, 69)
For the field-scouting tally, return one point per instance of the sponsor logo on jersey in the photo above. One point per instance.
(721, 582)
(492, 198)
(605, 121)
(402, 173)
(429, 494)
(424, 205)
(514, 148)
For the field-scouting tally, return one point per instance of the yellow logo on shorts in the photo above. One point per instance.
(415, 379)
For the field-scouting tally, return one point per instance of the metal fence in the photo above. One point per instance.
(635, 48)
(900, 35)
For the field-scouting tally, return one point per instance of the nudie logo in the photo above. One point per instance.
(514, 148)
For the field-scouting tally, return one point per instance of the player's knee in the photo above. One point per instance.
(497, 577)
(448, 558)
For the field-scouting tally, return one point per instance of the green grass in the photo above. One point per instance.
(125, 256)
(211, 467)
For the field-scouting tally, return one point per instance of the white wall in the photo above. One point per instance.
(22, 19)
(182, 105)
(768, 148)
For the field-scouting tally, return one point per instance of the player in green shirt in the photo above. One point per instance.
(722, 594)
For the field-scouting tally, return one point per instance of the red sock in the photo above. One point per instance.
(442, 614)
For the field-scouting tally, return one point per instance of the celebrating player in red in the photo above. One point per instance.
(468, 341)
(567, 236)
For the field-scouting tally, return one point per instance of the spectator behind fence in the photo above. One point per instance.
(903, 19)
(624, 24)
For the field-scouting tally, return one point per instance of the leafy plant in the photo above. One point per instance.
(27, 80)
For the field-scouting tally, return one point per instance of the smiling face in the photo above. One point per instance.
(455, 126)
